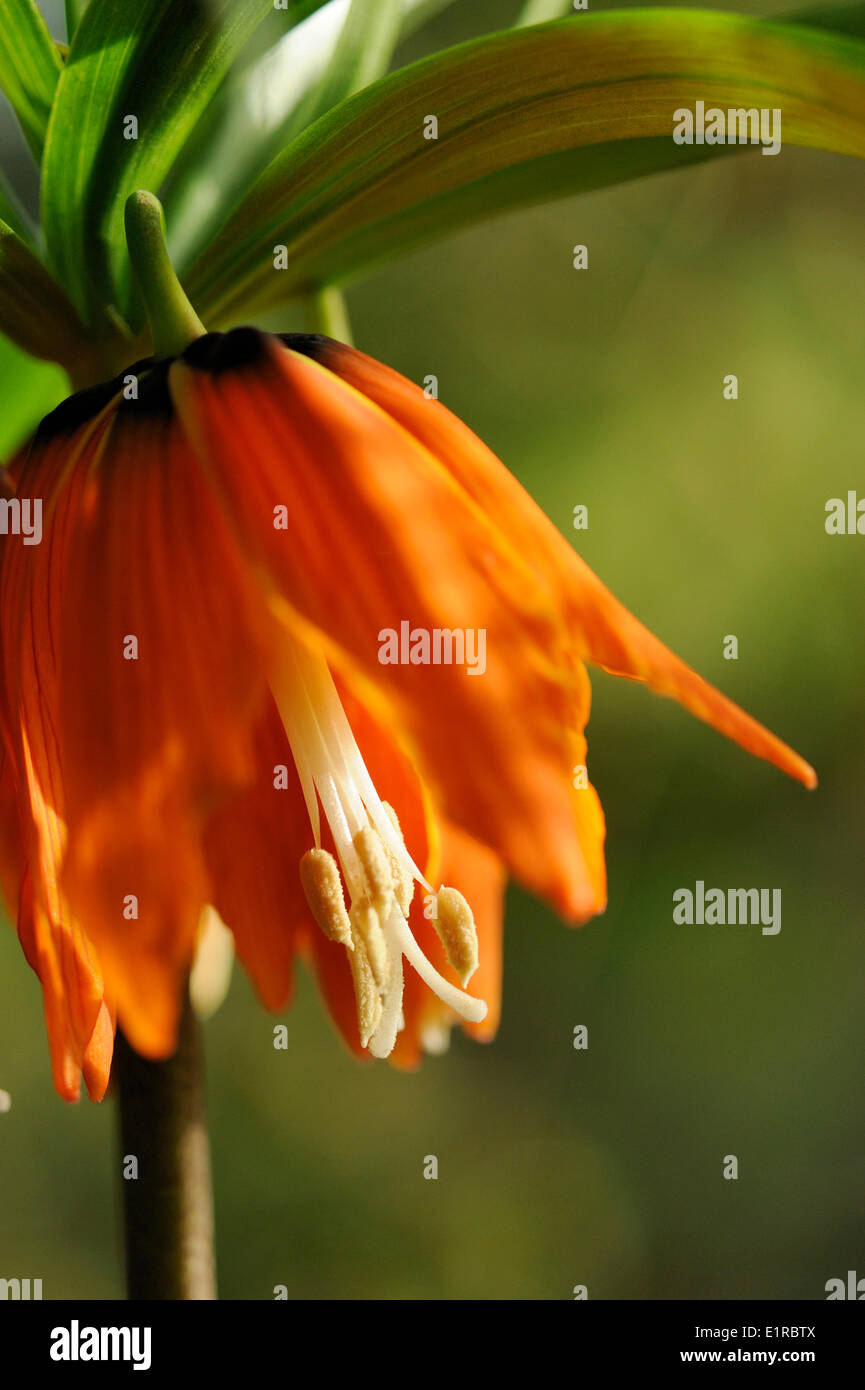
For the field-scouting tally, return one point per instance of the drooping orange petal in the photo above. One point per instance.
(157, 678)
(376, 532)
(78, 1021)
(98, 1054)
(254, 843)
(591, 827)
(13, 861)
(79, 1026)
(604, 632)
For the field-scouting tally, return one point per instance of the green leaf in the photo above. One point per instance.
(34, 311)
(840, 19)
(362, 53)
(13, 212)
(262, 107)
(30, 390)
(74, 12)
(159, 62)
(523, 116)
(30, 67)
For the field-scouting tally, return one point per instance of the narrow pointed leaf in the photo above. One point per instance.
(13, 213)
(30, 68)
(362, 53)
(74, 13)
(137, 79)
(34, 312)
(523, 116)
(270, 101)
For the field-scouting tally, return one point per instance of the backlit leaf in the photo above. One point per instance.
(137, 79)
(523, 116)
(34, 312)
(29, 68)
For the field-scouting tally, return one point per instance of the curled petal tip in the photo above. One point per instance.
(789, 762)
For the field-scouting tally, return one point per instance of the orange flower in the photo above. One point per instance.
(197, 708)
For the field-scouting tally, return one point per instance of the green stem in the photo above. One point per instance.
(173, 321)
(167, 1197)
(328, 313)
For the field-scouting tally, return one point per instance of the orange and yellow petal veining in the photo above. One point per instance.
(375, 533)
(160, 682)
(80, 1027)
(208, 700)
(602, 631)
(253, 844)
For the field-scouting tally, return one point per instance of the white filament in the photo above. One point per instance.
(333, 773)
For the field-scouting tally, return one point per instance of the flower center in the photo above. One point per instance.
(376, 868)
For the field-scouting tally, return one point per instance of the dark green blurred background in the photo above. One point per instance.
(706, 517)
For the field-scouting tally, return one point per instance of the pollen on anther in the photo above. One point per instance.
(366, 925)
(403, 883)
(371, 852)
(366, 995)
(319, 877)
(455, 925)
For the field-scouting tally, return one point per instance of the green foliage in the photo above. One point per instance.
(30, 389)
(29, 68)
(272, 99)
(12, 212)
(522, 116)
(74, 11)
(338, 168)
(158, 62)
(34, 311)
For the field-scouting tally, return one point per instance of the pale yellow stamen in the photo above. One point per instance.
(455, 925)
(403, 882)
(322, 885)
(366, 925)
(365, 993)
(372, 869)
(371, 852)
